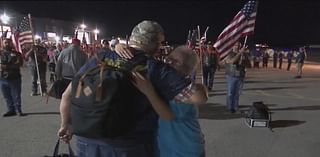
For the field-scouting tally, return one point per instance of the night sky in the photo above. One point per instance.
(279, 23)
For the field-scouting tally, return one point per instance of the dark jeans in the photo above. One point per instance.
(34, 77)
(208, 75)
(11, 92)
(275, 63)
(103, 149)
(280, 64)
(289, 65)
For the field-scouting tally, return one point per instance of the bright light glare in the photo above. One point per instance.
(4, 18)
(83, 26)
(96, 31)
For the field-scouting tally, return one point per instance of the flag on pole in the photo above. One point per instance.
(84, 41)
(193, 39)
(3, 36)
(204, 36)
(242, 25)
(23, 34)
(188, 37)
(76, 35)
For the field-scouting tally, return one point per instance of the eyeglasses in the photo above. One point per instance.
(173, 61)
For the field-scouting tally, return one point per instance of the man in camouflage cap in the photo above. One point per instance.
(147, 35)
(146, 38)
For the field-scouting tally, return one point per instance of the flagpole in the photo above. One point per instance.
(35, 56)
(200, 51)
(245, 40)
(244, 44)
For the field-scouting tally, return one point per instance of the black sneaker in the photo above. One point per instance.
(9, 114)
(34, 94)
(21, 114)
(233, 111)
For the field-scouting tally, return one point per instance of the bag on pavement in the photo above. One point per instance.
(258, 115)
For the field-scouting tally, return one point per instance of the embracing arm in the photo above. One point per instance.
(199, 95)
(158, 104)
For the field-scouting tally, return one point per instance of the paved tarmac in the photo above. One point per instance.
(295, 106)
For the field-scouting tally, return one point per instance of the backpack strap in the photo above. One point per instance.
(99, 88)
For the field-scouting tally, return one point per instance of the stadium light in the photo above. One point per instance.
(57, 38)
(37, 37)
(83, 26)
(5, 18)
(96, 31)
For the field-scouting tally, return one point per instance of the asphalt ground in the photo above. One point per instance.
(294, 103)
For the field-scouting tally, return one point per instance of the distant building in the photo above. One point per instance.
(47, 28)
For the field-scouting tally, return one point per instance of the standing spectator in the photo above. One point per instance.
(256, 59)
(300, 61)
(280, 59)
(105, 47)
(70, 61)
(289, 58)
(52, 63)
(209, 66)
(265, 59)
(275, 59)
(41, 53)
(113, 43)
(235, 73)
(10, 78)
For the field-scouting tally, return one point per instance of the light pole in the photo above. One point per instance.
(96, 32)
(5, 18)
(83, 26)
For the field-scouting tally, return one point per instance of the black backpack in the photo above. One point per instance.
(102, 103)
(258, 110)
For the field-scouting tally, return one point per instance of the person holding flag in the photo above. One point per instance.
(39, 63)
(231, 54)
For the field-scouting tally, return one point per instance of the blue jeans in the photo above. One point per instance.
(101, 148)
(11, 92)
(34, 77)
(234, 87)
(208, 75)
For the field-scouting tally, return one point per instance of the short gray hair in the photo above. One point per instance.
(189, 59)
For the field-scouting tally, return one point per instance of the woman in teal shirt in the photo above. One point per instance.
(179, 132)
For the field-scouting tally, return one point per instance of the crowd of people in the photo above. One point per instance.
(168, 88)
(277, 57)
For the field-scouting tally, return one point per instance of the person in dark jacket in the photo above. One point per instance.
(10, 78)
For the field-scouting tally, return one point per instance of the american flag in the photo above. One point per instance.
(84, 41)
(3, 37)
(23, 34)
(242, 24)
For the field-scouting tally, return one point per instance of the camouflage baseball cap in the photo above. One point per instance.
(147, 35)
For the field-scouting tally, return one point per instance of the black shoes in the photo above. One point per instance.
(9, 114)
(233, 111)
(34, 94)
(13, 113)
(297, 77)
(21, 114)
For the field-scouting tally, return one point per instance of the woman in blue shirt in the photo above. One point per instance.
(179, 133)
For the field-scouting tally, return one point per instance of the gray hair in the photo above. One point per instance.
(188, 58)
(146, 35)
